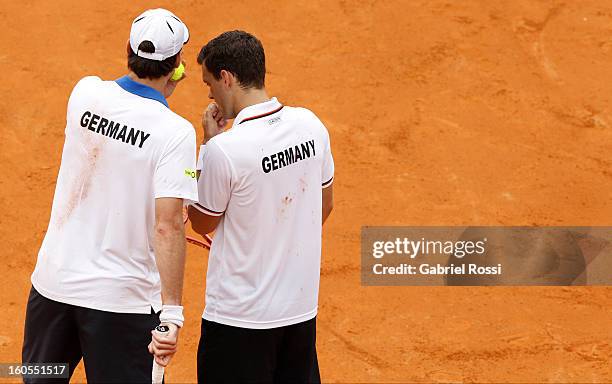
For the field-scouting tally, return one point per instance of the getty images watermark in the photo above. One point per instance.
(486, 255)
(412, 249)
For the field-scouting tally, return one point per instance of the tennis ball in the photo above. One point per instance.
(178, 73)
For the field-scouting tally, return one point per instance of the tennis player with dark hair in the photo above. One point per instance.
(114, 252)
(266, 187)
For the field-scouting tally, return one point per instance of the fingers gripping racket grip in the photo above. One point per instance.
(157, 376)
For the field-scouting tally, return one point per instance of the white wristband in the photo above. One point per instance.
(172, 314)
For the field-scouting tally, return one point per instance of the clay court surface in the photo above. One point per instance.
(440, 113)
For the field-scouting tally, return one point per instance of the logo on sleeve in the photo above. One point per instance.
(190, 173)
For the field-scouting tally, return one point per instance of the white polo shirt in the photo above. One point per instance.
(265, 176)
(123, 149)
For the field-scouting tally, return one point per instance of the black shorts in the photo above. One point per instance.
(112, 345)
(229, 354)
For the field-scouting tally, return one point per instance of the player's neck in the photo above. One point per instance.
(251, 97)
(157, 84)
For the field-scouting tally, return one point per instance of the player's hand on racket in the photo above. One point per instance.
(164, 346)
(213, 121)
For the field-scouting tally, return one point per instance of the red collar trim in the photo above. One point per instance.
(262, 115)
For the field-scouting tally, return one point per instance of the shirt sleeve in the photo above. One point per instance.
(327, 172)
(200, 155)
(215, 183)
(79, 96)
(175, 174)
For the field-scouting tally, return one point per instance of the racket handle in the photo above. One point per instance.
(157, 375)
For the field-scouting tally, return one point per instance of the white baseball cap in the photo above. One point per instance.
(163, 29)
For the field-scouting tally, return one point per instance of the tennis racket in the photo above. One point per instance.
(157, 375)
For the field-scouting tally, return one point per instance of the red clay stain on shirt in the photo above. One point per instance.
(285, 201)
(80, 185)
(303, 184)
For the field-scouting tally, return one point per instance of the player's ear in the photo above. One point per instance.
(227, 77)
(127, 47)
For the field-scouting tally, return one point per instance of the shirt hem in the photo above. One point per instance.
(205, 210)
(259, 324)
(187, 199)
(176, 195)
(84, 303)
(327, 183)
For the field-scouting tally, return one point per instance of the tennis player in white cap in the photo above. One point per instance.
(110, 267)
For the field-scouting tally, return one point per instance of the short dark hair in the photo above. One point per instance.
(239, 53)
(148, 68)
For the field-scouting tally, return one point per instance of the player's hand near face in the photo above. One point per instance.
(213, 122)
(164, 346)
(171, 84)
